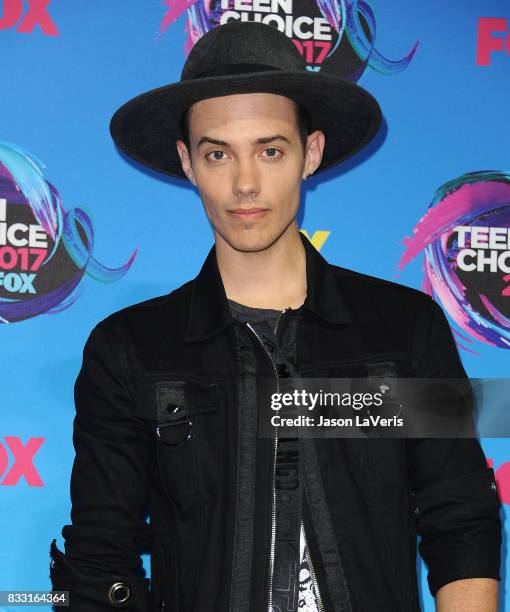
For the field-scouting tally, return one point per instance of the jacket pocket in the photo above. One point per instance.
(374, 374)
(179, 413)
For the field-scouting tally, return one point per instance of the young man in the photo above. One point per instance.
(167, 400)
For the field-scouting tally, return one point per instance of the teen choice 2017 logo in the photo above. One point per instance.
(45, 250)
(465, 236)
(338, 36)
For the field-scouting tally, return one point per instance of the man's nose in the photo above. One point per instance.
(246, 178)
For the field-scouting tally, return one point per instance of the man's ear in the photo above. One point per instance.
(182, 150)
(314, 150)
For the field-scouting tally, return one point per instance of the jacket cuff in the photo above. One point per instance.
(474, 571)
(461, 529)
(94, 594)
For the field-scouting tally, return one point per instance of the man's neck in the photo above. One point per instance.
(273, 278)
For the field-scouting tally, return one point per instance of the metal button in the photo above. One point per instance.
(493, 486)
(119, 593)
(173, 408)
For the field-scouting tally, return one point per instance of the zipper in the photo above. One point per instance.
(315, 582)
(273, 485)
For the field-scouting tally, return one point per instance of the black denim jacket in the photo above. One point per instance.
(156, 434)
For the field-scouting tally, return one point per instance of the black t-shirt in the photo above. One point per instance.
(292, 570)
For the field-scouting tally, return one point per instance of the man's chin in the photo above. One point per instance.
(251, 244)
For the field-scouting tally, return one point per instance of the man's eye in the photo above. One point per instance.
(274, 150)
(215, 157)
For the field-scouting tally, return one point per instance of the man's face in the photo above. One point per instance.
(247, 162)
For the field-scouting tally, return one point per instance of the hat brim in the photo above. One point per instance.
(146, 127)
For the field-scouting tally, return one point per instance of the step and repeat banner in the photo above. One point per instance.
(85, 232)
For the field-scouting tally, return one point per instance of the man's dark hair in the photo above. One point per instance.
(302, 117)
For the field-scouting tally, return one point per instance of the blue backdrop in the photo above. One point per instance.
(110, 235)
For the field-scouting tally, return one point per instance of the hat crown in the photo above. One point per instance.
(241, 46)
(239, 58)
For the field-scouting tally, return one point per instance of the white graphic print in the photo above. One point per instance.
(307, 601)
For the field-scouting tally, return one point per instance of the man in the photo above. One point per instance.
(169, 394)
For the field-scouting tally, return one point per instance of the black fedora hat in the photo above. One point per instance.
(245, 57)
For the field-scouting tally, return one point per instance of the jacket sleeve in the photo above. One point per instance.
(101, 567)
(457, 503)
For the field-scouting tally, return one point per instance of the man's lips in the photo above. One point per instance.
(248, 213)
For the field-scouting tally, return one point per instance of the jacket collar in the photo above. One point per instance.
(209, 310)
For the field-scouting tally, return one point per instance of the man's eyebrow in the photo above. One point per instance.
(261, 140)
